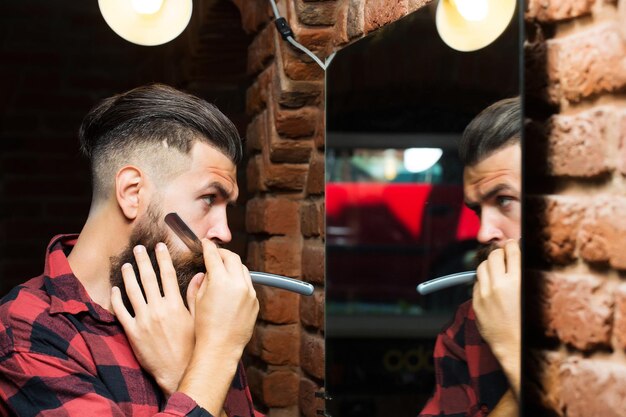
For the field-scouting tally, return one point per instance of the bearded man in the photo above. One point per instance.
(85, 338)
(477, 358)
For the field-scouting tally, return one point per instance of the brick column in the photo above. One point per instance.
(285, 174)
(575, 292)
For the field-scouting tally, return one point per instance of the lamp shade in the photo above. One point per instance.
(468, 25)
(147, 22)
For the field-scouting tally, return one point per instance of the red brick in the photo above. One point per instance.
(578, 310)
(297, 93)
(291, 411)
(285, 176)
(280, 388)
(296, 123)
(312, 354)
(592, 387)
(619, 327)
(355, 18)
(603, 232)
(256, 132)
(312, 310)
(289, 150)
(275, 216)
(279, 344)
(586, 63)
(256, 96)
(577, 145)
(556, 10)
(620, 124)
(277, 306)
(380, 12)
(313, 261)
(417, 4)
(555, 222)
(309, 403)
(541, 379)
(255, 174)
(315, 181)
(282, 255)
(261, 50)
(312, 218)
(621, 10)
(316, 13)
(299, 66)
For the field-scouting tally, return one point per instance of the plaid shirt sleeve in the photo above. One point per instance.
(468, 379)
(34, 384)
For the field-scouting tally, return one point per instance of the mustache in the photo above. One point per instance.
(482, 253)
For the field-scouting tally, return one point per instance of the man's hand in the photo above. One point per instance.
(496, 302)
(226, 308)
(162, 331)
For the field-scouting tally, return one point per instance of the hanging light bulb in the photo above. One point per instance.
(472, 10)
(147, 6)
(147, 22)
(468, 25)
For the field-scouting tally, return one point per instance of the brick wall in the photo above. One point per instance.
(575, 208)
(285, 215)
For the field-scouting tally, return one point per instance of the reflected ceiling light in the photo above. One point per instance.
(421, 159)
(147, 22)
(468, 25)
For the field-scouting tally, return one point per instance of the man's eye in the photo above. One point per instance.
(209, 199)
(504, 201)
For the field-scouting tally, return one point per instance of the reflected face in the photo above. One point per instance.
(200, 195)
(492, 189)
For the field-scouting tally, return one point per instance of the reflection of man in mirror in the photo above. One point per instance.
(477, 357)
(68, 344)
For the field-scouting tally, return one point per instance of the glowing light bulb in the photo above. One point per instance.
(147, 6)
(420, 159)
(472, 10)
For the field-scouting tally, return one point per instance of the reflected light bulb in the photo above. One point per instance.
(420, 159)
(147, 6)
(472, 10)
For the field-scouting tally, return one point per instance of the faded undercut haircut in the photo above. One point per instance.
(496, 127)
(144, 125)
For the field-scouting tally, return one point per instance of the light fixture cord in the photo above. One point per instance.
(287, 34)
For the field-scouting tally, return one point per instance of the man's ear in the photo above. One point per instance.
(128, 184)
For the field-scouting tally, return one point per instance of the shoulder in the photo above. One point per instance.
(25, 316)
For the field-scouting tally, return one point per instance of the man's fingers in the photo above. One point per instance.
(212, 259)
(513, 256)
(120, 309)
(147, 274)
(483, 280)
(132, 288)
(496, 264)
(192, 292)
(168, 274)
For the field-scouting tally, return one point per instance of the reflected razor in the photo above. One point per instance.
(190, 239)
(446, 281)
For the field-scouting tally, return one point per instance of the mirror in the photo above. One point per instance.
(397, 103)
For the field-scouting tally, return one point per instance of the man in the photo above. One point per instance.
(68, 344)
(477, 357)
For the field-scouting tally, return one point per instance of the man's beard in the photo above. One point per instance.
(482, 253)
(149, 231)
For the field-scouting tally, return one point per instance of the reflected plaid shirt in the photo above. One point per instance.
(61, 354)
(468, 379)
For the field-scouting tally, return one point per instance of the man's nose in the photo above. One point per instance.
(219, 230)
(490, 231)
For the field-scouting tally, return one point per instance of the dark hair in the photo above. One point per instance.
(154, 114)
(495, 127)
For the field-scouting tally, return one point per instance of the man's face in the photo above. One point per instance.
(492, 189)
(200, 195)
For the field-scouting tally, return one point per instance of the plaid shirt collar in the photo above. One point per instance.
(67, 294)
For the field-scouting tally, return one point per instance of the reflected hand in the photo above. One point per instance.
(496, 302)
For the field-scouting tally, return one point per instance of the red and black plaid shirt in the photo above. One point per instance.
(61, 354)
(468, 379)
